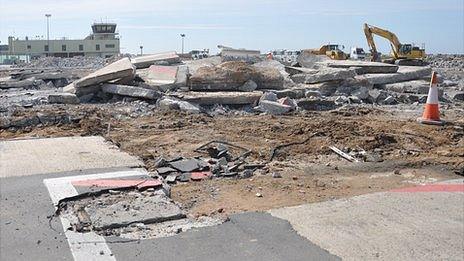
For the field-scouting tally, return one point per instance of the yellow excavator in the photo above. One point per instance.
(402, 54)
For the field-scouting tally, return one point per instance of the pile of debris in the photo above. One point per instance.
(265, 86)
(73, 62)
(220, 163)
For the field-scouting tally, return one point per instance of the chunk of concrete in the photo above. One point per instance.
(362, 67)
(229, 76)
(308, 60)
(131, 91)
(324, 75)
(273, 107)
(415, 86)
(405, 73)
(361, 93)
(63, 98)
(224, 98)
(248, 86)
(158, 75)
(377, 96)
(117, 70)
(171, 103)
(11, 83)
(146, 61)
(194, 65)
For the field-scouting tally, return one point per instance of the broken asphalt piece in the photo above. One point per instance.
(171, 178)
(186, 165)
(184, 177)
(216, 144)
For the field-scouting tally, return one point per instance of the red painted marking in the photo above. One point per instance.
(200, 175)
(117, 183)
(433, 188)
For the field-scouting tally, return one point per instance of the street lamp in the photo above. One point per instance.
(141, 50)
(183, 36)
(48, 33)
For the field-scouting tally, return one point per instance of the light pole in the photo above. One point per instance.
(183, 36)
(48, 33)
(141, 50)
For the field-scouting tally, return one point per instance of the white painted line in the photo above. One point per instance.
(83, 246)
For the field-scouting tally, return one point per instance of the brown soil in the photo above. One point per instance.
(311, 172)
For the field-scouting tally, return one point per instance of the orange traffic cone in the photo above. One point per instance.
(431, 112)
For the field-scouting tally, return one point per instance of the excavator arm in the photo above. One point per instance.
(369, 30)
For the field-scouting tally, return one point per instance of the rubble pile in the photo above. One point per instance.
(220, 163)
(73, 62)
(450, 61)
(207, 85)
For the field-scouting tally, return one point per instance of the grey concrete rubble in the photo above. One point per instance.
(225, 98)
(117, 70)
(131, 91)
(64, 98)
(362, 67)
(146, 61)
(8, 83)
(316, 104)
(269, 103)
(171, 103)
(405, 73)
(324, 75)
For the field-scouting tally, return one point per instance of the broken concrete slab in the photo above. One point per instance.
(11, 83)
(63, 98)
(130, 208)
(362, 67)
(324, 75)
(308, 60)
(171, 103)
(226, 98)
(273, 107)
(146, 61)
(158, 75)
(298, 70)
(131, 91)
(182, 76)
(248, 86)
(415, 86)
(117, 70)
(405, 73)
(229, 76)
(194, 65)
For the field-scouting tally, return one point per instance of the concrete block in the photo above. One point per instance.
(11, 83)
(64, 98)
(146, 61)
(117, 70)
(273, 107)
(405, 73)
(324, 75)
(171, 103)
(225, 98)
(248, 86)
(131, 91)
(158, 75)
(362, 67)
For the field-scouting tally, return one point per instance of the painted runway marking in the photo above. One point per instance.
(83, 246)
(433, 188)
(117, 183)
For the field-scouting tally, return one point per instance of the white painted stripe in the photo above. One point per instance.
(432, 98)
(83, 246)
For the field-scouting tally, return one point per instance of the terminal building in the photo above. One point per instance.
(103, 42)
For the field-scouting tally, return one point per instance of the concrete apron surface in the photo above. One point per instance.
(418, 223)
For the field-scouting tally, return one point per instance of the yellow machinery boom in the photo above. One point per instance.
(399, 51)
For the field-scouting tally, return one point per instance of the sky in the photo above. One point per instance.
(253, 24)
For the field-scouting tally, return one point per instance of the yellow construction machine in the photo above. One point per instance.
(333, 51)
(402, 54)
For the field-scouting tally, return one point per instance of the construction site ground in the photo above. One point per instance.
(410, 153)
